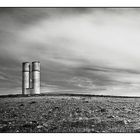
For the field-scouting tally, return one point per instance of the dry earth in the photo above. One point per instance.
(69, 114)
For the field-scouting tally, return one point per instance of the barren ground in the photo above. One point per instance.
(69, 114)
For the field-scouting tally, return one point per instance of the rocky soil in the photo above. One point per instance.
(50, 114)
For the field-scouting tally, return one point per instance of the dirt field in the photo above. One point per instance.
(69, 114)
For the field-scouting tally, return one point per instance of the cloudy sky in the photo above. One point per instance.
(90, 50)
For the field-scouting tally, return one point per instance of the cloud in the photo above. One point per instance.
(101, 38)
(100, 45)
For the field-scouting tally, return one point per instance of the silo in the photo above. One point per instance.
(35, 77)
(25, 77)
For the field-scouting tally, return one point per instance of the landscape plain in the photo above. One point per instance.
(69, 114)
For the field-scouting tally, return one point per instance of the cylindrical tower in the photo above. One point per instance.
(25, 77)
(36, 77)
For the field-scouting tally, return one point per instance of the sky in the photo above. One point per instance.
(81, 50)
